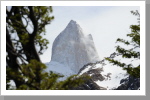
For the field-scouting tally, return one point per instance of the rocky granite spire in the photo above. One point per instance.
(73, 49)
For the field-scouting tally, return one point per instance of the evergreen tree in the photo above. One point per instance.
(129, 53)
(25, 27)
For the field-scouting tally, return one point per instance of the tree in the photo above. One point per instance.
(129, 53)
(24, 29)
(25, 26)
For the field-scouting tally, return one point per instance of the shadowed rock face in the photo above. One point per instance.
(90, 83)
(129, 83)
(73, 48)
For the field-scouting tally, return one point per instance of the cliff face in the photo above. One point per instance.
(73, 49)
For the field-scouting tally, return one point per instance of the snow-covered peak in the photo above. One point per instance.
(73, 49)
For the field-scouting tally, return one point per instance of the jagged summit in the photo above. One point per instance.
(73, 29)
(72, 23)
(73, 49)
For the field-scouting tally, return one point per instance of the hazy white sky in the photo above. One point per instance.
(105, 23)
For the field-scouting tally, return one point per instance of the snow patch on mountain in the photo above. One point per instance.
(59, 68)
(115, 77)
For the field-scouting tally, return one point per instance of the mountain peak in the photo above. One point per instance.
(73, 49)
(73, 23)
(73, 29)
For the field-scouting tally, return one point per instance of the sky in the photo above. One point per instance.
(104, 23)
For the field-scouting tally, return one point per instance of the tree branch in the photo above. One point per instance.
(34, 22)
